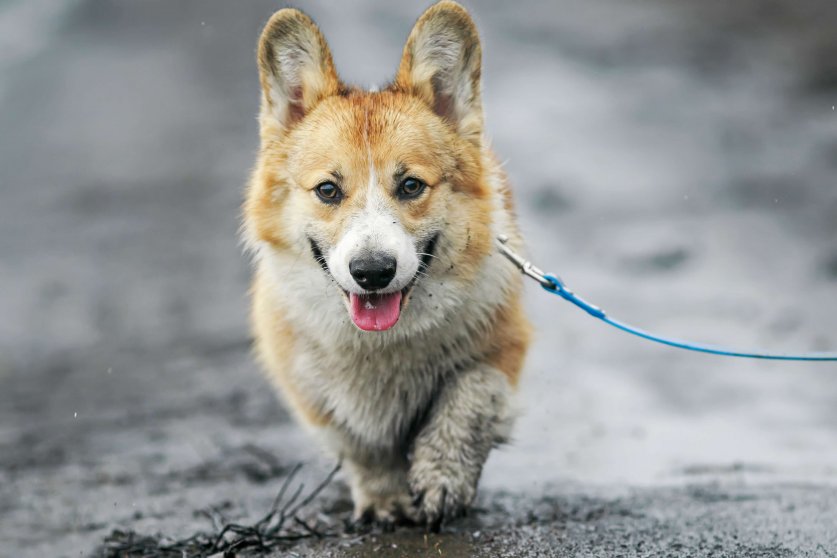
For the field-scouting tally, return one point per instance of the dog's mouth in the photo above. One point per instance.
(375, 311)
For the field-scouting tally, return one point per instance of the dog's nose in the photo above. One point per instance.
(373, 272)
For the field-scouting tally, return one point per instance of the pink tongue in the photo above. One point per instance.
(375, 312)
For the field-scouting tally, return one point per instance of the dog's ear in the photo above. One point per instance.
(442, 63)
(295, 67)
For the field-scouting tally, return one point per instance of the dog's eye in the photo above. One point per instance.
(329, 192)
(410, 188)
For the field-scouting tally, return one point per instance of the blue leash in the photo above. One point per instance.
(554, 285)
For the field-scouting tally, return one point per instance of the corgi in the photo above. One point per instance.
(380, 308)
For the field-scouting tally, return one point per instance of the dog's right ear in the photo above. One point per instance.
(295, 67)
(441, 64)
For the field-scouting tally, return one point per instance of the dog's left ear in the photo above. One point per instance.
(441, 64)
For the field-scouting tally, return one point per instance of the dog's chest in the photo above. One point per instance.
(377, 394)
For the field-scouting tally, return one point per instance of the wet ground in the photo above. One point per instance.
(673, 161)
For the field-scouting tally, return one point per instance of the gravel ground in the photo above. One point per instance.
(673, 161)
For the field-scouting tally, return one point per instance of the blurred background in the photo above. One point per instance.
(673, 161)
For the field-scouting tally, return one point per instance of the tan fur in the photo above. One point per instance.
(452, 359)
(511, 336)
(275, 342)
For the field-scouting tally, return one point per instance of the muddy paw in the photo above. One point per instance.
(440, 496)
(385, 511)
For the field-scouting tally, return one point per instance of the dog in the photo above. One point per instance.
(380, 308)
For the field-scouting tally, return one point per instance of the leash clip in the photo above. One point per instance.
(548, 281)
(525, 266)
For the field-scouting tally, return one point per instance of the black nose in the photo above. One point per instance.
(373, 272)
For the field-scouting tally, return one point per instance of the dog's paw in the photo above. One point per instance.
(439, 494)
(386, 511)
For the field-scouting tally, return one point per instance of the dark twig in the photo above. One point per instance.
(268, 532)
(308, 528)
(274, 509)
(316, 492)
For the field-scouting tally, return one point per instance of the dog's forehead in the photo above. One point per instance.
(380, 132)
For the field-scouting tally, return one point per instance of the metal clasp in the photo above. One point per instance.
(524, 265)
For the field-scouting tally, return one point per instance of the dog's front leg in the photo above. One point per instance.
(470, 416)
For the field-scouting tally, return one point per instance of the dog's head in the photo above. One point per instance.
(376, 188)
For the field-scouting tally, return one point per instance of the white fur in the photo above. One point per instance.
(374, 230)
